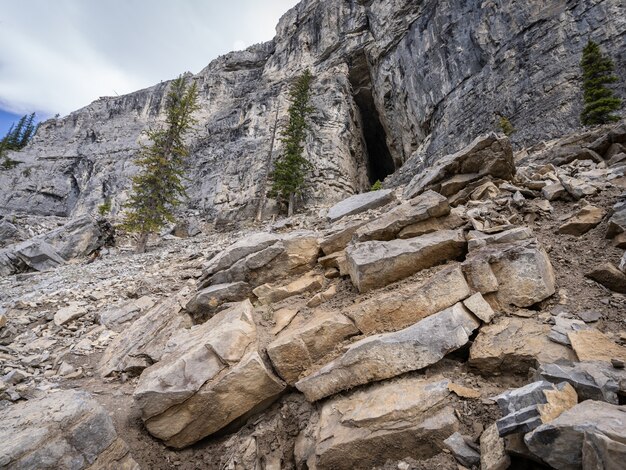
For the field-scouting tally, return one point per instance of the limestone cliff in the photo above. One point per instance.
(398, 83)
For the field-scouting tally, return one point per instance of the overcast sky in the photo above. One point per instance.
(59, 55)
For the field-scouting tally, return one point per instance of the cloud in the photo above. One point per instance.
(59, 56)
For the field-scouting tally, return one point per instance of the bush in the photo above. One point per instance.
(377, 186)
(506, 126)
(600, 100)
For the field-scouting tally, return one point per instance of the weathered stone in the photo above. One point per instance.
(449, 222)
(387, 226)
(66, 314)
(486, 155)
(514, 345)
(268, 293)
(403, 307)
(528, 407)
(300, 346)
(479, 307)
(562, 327)
(586, 219)
(462, 452)
(209, 376)
(3, 320)
(619, 241)
(493, 454)
(9, 233)
(388, 355)
(463, 392)
(477, 239)
(64, 429)
(576, 187)
(593, 345)
(392, 420)
(554, 191)
(622, 264)
(340, 237)
(360, 203)
(143, 342)
(617, 223)
(375, 264)
(239, 250)
(591, 432)
(116, 318)
(208, 300)
(610, 277)
(520, 273)
(321, 297)
(591, 380)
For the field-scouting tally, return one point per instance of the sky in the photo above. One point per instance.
(57, 56)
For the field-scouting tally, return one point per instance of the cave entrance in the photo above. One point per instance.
(380, 163)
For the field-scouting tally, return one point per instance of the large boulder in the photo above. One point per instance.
(142, 343)
(300, 345)
(585, 219)
(392, 420)
(387, 226)
(64, 430)
(209, 377)
(486, 155)
(209, 300)
(590, 435)
(271, 293)
(360, 203)
(392, 311)
(387, 355)
(514, 345)
(609, 276)
(378, 263)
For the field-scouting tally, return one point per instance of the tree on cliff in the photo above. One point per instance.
(600, 100)
(158, 188)
(290, 170)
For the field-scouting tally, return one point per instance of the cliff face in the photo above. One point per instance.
(398, 84)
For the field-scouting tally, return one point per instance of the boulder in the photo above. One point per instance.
(479, 307)
(591, 380)
(142, 343)
(617, 222)
(577, 188)
(339, 237)
(519, 273)
(462, 452)
(449, 222)
(387, 421)
(239, 250)
(622, 264)
(119, 316)
(554, 191)
(378, 263)
(9, 233)
(477, 239)
(592, 434)
(34, 254)
(514, 345)
(208, 377)
(269, 293)
(528, 407)
(563, 326)
(493, 454)
(66, 314)
(585, 219)
(486, 155)
(609, 276)
(298, 347)
(387, 226)
(63, 430)
(208, 301)
(360, 203)
(387, 355)
(392, 311)
(593, 345)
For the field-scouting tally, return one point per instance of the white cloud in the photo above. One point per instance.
(57, 56)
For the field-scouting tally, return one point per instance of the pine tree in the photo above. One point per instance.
(158, 188)
(290, 170)
(600, 100)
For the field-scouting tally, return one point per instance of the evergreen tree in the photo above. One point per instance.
(600, 100)
(290, 170)
(158, 188)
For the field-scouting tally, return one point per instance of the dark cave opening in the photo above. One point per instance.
(380, 163)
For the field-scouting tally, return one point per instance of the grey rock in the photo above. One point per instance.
(486, 155)
(561, 328)
(64, 430)
(461, 451)
(390, 354)
(478, 239)
(387, 226)
(589, 316)
(378, 263)
(360, 203)
(609, 276)
(493, 454)
(591, 380)
(479, 307)
(577, 188)
(589, 435)
(617, 223)
(66, 314)
(118, 317)
(339, 236)
(9, 233)
(553, 191)
(208, 301)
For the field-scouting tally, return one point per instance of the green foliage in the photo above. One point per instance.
(600, 100)
(26, 172)
(105, 207)
(377, 186)
(506, 126)
(17, 138)
(158, 188)
(290, 169)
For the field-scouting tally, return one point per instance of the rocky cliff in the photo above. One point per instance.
(397, 84)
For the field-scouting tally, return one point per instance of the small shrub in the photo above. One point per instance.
(26, 172)
(105, 207)
(506, 126)
(377, 186)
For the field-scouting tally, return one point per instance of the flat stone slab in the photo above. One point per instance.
(387, 355)
(360, 203)
(64, 429)
(378, 263)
